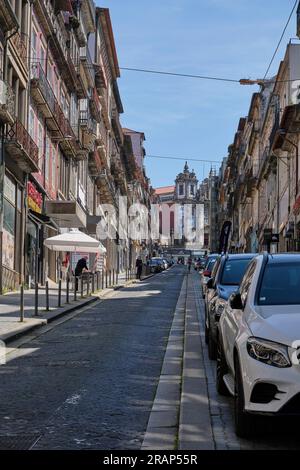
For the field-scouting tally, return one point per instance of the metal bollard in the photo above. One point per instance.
(75, 287)
(22, 303)
(106, 277)
(36, 299)
(68, 290)
(102, 279)
(59, 294)
(88, 285)
(81, 286)
(113, 278)
(93, 283)
(110, 278)
(98, 284)
(47, 296)
(117, 278)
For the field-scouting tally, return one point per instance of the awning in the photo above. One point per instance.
(42, 219)
(74, 241)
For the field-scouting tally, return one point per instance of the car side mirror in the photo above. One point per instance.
(235, 301)
(206, 273)
(210, 283)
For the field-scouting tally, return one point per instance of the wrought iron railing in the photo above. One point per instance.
(37, 74)
(18, 134)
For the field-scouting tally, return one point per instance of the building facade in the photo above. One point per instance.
(64, 162)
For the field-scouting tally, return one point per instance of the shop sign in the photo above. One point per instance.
(34, 198)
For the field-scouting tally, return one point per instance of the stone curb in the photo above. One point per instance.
(195, 430)
(162, 428)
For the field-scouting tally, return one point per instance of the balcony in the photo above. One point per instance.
(88, 128)
(7, 103)
(106, 187)
(95, 106)
(20, 43)
(8, 19)
(118, 174)
(86, 60)
(21, 148)
(53, 23)
(42, 92)
(100, 79)
(118, 131)
(95, 165)
(70, 143)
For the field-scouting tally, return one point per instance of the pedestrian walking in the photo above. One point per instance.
(189, 264)
(139, 268)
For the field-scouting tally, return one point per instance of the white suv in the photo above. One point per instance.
(258, 341)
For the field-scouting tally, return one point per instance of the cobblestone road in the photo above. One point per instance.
(271, 433)
(90, 382)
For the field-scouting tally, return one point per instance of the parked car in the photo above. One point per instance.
(226, 280)
(162, 261)
(258, 341)
(155, 266)
(207, 272)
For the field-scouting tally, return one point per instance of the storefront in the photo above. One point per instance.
(12, 230)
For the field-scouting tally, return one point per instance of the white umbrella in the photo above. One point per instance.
(74, 241)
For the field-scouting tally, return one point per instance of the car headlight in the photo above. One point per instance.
(273, 354)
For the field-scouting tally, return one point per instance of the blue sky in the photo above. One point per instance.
(188, 117)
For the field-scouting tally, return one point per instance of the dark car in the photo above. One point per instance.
(207, 272)
(226, 277)
(156, 266)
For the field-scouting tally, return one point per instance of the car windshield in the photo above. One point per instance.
(280, 284)
(210, 265)
(234, 271)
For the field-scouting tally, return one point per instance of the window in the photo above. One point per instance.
(47, 159)
(192, 189)
(40, 141)
(43, 57)
(9, 222)
(277, 289)
(31, 123)
(246, 282)
(181, 190)
(233, 271)
(53, 170)
(34, 41)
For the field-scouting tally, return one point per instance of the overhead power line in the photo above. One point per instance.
(189, 159)
(280, 40)
(175, 74)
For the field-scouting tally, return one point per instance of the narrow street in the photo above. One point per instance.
(90, 382)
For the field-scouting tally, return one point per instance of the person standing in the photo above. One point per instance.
(139, 268)
(189, 264)
(81, 267)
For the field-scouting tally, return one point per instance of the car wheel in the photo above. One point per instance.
(244, 422)
(212, 347)
(221, 371)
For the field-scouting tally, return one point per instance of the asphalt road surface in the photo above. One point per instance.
(89, 383)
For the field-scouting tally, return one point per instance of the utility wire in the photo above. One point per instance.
(184, 158)
(160, 72)
(280, 40)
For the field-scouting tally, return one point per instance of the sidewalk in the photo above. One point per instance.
(10, 325)
(180, 417)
